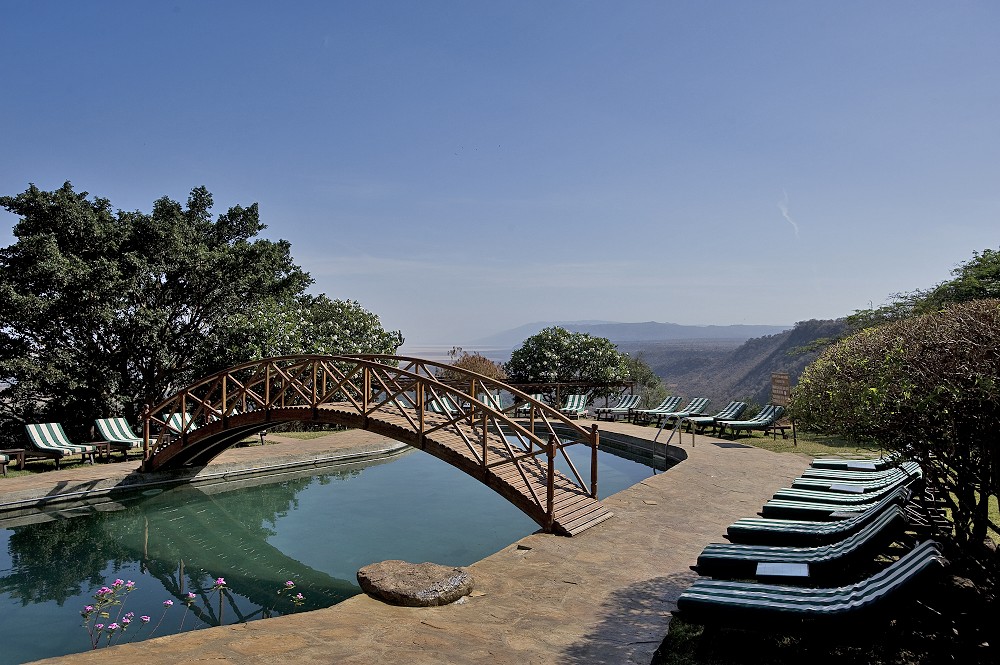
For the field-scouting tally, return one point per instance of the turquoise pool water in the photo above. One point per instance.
(315, 530)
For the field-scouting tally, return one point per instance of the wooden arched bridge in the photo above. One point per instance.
(446, 411)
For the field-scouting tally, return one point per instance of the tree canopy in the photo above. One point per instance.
(103, 311)
(976, 279)
(556, 355)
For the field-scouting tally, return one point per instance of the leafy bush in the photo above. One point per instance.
(928, 386)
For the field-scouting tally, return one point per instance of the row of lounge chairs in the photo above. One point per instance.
(833, 543)
(49, 441)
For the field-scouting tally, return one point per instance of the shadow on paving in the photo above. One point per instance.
(632, 625)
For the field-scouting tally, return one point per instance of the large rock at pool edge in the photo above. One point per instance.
(414, 584)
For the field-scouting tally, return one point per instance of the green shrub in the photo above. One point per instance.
(928, 386)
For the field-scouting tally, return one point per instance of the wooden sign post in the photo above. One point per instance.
(781, 395)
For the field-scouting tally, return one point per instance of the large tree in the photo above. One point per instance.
(104, 311)
(556, 355)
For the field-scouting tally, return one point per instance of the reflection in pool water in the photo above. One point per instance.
(315, 530)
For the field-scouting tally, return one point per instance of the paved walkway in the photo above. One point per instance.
(603, 596)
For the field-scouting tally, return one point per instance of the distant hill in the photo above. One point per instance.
(726, 370)
(650, 331)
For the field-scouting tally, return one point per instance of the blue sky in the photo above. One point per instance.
(466, 167)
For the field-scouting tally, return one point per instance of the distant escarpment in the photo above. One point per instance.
(723, 370)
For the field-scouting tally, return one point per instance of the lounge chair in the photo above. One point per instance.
(118, 434)
(847, 493)
(858, 465)
(791, 608)
(49, 441)
(524, 410)
(832, 562)
(808, 505)
(648, 415)
(801, 533)
(575, 406)
(859, 485)
(856, 476)
(764, 420)
(700, 423)
(695, 407)
(442, 406)
(623, 408)
(181, 422)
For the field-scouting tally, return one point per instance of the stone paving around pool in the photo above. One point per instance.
(603, 596)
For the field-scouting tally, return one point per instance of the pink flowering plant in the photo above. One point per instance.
(106, 621)
(297, 598)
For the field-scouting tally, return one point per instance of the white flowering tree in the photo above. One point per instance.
(556, 355)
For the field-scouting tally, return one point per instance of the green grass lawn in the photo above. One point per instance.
(814, 445)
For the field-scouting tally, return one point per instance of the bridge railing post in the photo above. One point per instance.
(595, 440)
(145, 436)
(550, 486)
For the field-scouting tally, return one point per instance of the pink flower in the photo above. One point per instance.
(103, 591)
(220, 581)
(99, 626)
(88, 609)
(190, 595)
(145, 619)
(113, 626)
(118, 583)
(130, 585)
(168, 603)
(289, 584)
(299, 596)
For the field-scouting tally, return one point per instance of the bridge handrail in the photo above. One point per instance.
(211, 399)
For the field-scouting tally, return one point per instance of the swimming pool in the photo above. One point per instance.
(313, 528)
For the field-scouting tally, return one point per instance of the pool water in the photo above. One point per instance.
(314, 529)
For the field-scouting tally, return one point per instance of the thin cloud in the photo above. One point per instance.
(783, 207)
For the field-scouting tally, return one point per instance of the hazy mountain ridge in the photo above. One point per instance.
(651, 331)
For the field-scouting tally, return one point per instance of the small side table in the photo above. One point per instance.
(103, 449)
(17, 454)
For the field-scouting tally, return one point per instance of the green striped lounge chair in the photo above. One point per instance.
(695, 407)
(769, 415)
(575, 406)
(180, 422)
(732, 412)
(49, 440)
(492, 400)
(791, 608)
(648, 415)
(118, 434)
(524, 409)
(832, 562)
(443, 406)
(802, 533)
(622, 408)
